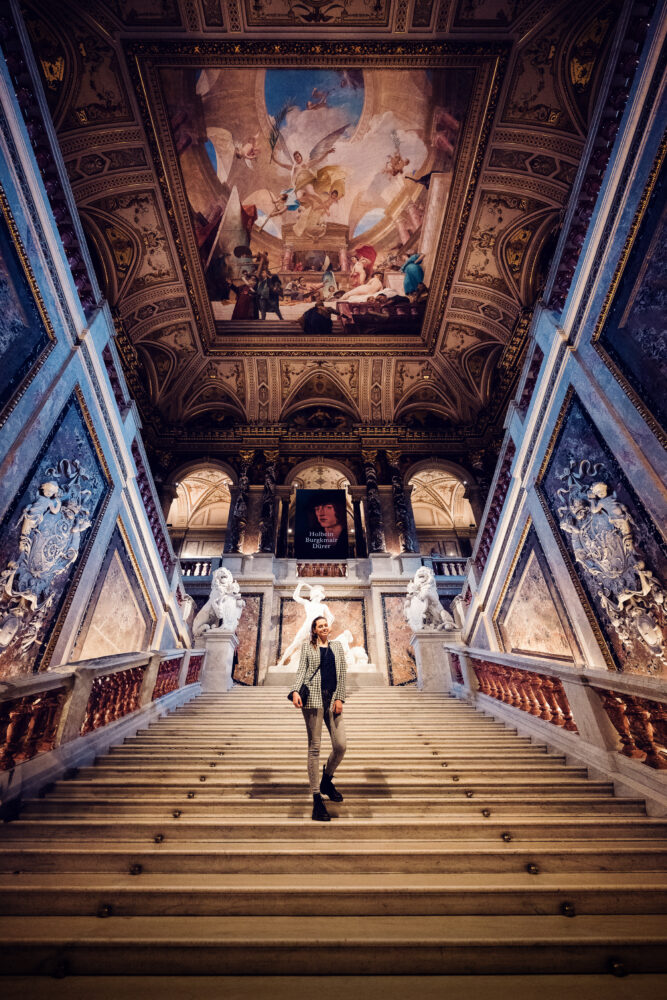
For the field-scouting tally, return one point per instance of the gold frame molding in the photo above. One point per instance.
(76, 579)
(508, 579)
(8, 216)
(635, 399)
(489, 60)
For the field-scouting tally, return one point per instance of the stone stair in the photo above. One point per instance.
(463, 854)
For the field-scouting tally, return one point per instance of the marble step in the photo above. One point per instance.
(397, 754)
(316, 856)
(353, 894)
(300, 806)
(295, 765)
(333, 945)
(261, 828)
(215, 785)
(371, 785)
(293, 987)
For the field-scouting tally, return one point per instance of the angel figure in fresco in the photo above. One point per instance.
(247, 151)
(303, 171)
(276, 206)
(328, 187)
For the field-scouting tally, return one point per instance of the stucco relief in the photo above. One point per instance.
(42, 539)
(496, 214)
(617, 556)
(603, 543)
(139, 211)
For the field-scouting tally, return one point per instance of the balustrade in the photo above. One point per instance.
(445, 565)
(194, 669)
(112, 697)
(196, 567)
(537, 694)
(455, 668)
(167, 677)
(641, 725)
(321, 569)
(28, 726)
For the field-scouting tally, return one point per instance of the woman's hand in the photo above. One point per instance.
(296, 699)
(338, 707)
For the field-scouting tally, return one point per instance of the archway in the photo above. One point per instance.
(443, 516)
(198, 515)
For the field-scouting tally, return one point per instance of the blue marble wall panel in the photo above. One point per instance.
(45, 537)
(616, 556)
(25, 333)
(634, 332)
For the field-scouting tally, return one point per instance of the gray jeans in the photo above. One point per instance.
(336, 727)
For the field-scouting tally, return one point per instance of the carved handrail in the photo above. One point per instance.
(167, 677)
(641, 724)
(537, 694)
(587, 676)
(195, 664)
(40, 712)
(446, 565)
(112, 696)
(28, 725)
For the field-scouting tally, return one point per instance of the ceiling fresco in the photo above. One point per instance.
(208, 142)
(311, 191)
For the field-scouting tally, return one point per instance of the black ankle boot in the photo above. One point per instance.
(327, 787)
(320, 810)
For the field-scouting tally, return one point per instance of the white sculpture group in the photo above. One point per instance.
(422, 607)
(314, 607)
(223, 609)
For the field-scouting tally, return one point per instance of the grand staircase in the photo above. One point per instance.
(462, 850)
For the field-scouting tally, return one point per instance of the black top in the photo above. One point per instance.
(327, 668)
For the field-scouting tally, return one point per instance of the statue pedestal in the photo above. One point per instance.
(432, 661)
(220, 649)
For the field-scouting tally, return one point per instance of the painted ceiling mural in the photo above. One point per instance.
(209, 143)
(310, 190)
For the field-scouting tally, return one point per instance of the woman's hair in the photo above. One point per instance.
(313, 625)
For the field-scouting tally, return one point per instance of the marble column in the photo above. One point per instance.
(405, 520)
(282, 529)
(375, 525)
(238, 513)
(359, 537)
(267, 522)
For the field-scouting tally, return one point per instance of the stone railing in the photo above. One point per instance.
(47, 712)
(611, 714)
(538, 694)
(641, 724)
(446, 565)
(198, 566)
(308, 569)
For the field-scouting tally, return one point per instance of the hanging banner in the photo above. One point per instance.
(320, 524)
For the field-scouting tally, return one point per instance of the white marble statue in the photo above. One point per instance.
(314, 607)
(422, 606)
(223, 608)
(355, 656)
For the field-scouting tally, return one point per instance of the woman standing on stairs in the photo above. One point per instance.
(322, 669)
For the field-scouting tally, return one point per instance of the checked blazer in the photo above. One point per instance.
(309, 673)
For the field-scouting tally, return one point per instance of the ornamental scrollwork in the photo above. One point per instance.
(49, 543)
(601, 530)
